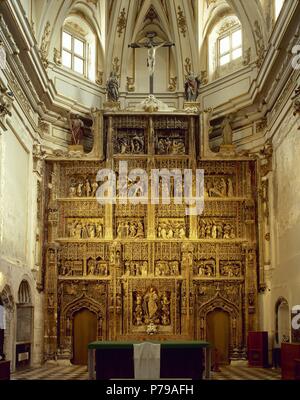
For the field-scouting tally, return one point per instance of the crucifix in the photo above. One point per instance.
(152, 46)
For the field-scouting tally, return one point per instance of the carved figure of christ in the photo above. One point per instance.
(152, 46)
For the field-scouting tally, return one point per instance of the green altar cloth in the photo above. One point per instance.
(164, 344)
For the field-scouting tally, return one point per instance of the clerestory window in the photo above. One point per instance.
(74, 50)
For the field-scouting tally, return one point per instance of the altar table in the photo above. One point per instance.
(178, 359)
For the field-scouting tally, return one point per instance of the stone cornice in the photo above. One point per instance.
(26, 65)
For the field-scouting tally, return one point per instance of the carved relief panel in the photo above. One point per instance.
(151, 305)
(129, 141)
(150, 268)
(129, 135)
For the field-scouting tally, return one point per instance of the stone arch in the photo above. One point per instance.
(219, 302)
(67, 321)
(164, 27)
(9, 306)
(7, 298)
(251, 19)
(55, 13)
(24, 321)
(167, 29)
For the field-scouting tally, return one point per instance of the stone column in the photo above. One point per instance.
(115, 298)
(187, 250)
(151, 234)
(205, 129)
(97, 129)
(108, 208)
(50, 309)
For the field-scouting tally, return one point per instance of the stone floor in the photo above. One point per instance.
(238, 370)
(50, 371)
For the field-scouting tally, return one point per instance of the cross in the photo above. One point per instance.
(152, 46)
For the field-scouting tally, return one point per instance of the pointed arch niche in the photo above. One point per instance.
(9, 305)
(235, 320)
(152, 19)
(67, 322)
(24, 328)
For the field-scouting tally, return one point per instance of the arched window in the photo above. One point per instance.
(74, 52)
(24, 293)
(230, 45)
(78, 47)
(225, 47)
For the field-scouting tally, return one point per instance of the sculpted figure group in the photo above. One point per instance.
(83, 188)
(79, 229)
(151, 307)
(216, 230)
(171, 230)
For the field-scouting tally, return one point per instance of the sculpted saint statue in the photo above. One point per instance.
(227, 130)
(191, 87)
(112, 87)
(150, 303)
(77, 129)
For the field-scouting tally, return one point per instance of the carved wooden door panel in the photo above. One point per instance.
(84, 332)
(218, 326)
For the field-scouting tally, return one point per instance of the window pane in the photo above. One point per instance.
(237, 53)
(78, 65)
(78, 47)
(66, 59)
(67, 41)
(224, 45)
(225, 59)
(237, 38)
(278, 7)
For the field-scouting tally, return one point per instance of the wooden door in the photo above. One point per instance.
(218, 334)
(84, 332)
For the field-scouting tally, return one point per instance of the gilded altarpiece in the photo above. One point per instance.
(149, 268)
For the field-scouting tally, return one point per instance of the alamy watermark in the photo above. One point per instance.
(296, 58)
(296, 317)
(138, 187)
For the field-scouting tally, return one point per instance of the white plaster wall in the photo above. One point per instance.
(17, 227)
(227, 90)
(283, 274)
(286, 277)
(76, 91)
(15, 199)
